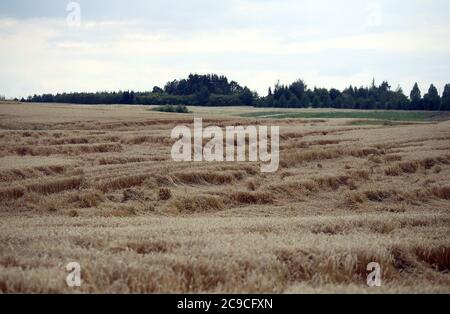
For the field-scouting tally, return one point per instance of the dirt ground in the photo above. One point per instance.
(97, 186)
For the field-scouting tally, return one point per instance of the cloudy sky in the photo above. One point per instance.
(136, 44)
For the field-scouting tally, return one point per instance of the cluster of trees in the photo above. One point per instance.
(297, 95)
(196, 90)
(2, 97)
(214, 90)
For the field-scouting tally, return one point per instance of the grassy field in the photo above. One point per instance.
(345, 114)
(97, 185)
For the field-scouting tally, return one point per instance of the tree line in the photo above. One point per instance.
(215, 90)
(196, 90)
(297, 95)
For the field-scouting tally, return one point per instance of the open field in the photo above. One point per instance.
(97, 186)
(325, 113)
(348, 114)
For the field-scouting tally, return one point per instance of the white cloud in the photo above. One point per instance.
(326, 47)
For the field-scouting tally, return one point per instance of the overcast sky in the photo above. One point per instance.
(136, 44)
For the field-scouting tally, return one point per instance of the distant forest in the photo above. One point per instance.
(215, 90)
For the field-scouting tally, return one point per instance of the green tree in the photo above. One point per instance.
(202, 96)
(246, 97)
(298, 88)
(293, 102)
(445, 101)
(132, 98)
(316, 102)
(305, 102)
(432, 101)
(282, 102)
(416, 97)
(334, 93)
(399, 100)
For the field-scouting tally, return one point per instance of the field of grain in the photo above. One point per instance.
(97, 186)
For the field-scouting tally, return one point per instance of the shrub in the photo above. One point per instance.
(172, 108)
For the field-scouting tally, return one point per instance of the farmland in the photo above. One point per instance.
(97, 185)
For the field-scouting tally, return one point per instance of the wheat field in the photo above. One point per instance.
(97, 186)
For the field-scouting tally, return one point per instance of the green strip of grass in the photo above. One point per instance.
(376, 122)
(375, 115)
